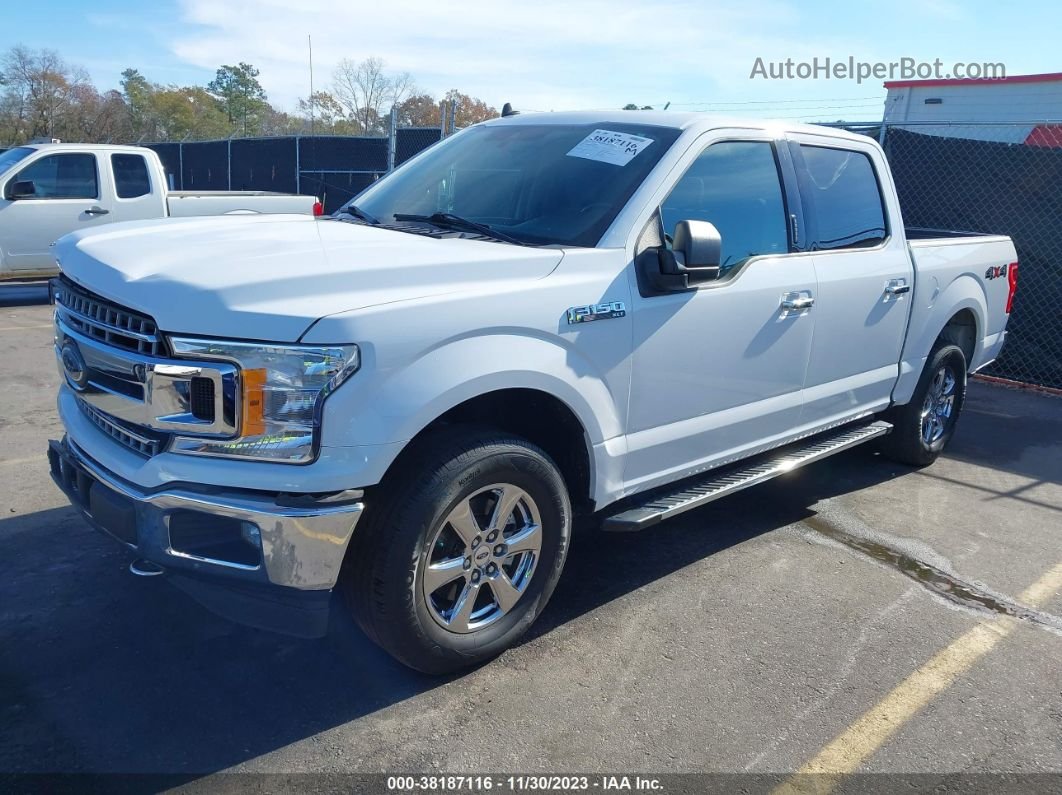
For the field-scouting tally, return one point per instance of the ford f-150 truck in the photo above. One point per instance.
(48, 190)
(614, 316)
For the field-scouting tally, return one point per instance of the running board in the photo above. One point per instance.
(720, 483)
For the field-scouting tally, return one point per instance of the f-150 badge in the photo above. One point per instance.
(590, 312)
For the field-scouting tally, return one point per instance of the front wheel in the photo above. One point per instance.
(462, 551)
(923, 427)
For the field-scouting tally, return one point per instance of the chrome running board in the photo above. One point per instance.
(658, 506)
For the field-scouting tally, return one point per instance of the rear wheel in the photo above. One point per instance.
(924, 426)
(461, 552)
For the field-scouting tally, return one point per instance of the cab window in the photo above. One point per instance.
(130, 176)
(63, 176)
(736, 186)
(845, 198)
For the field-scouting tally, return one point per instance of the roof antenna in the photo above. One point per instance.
(507, 110)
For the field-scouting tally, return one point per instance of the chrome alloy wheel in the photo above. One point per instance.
(939, 405)
(481, 558)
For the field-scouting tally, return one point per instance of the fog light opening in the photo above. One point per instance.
(218, 539)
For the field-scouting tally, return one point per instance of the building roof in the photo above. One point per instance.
(1048, 77)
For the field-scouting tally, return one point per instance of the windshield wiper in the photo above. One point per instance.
(356, 212)
(459, 224)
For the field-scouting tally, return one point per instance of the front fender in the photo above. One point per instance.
(384, 406)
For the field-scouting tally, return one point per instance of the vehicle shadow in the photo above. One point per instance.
(101, 671)
(23, 294)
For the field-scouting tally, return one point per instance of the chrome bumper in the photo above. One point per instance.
(302, 540)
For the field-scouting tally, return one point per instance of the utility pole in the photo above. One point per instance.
(309, 44)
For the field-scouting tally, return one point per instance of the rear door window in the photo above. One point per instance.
(844, 197)
(130, 176)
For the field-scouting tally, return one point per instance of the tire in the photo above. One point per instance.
(924, 426)
(431, 521)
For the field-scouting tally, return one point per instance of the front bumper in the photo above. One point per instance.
(283, 585)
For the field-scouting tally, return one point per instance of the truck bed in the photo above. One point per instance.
(956, 271)
(185, 204)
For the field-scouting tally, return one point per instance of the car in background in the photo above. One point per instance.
(51, 189)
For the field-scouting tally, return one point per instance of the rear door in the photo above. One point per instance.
(864, 274)
(67, 191)
(718, 370)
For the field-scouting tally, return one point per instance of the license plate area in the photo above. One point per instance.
(109, 511)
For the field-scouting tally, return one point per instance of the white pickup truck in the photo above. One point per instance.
(618, 315)
(49, 190)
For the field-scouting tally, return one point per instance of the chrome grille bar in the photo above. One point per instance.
(106, 321)
(144, 445)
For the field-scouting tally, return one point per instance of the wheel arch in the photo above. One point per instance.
(532, 414)
(958, 315)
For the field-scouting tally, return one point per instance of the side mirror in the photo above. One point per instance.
(22, 189)
(700, 245)
(692, 260)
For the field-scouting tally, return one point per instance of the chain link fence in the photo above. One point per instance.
(1003, 179)
(334, 168)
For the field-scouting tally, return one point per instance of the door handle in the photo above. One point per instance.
(897, 287)
(796, 302)
(96, 211)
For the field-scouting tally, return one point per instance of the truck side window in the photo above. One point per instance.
(734, 185)
(63, 176)
(130, 176)
(845, 198)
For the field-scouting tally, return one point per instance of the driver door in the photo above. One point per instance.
(718, 371)
(66, 199)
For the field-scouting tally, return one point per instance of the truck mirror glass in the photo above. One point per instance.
(20, 189)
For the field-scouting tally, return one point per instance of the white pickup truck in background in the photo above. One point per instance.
(622, 315)
(49, 190)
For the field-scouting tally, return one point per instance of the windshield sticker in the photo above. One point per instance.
(607, 146)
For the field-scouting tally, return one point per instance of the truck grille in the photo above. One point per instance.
(103, 320)
(135, 441)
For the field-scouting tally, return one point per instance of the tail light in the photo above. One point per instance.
(1012, 283)
(318, 209)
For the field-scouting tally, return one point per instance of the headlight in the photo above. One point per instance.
(278, 402)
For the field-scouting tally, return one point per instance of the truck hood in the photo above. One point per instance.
(269, 277)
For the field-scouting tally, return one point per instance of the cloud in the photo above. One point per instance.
(550, 54)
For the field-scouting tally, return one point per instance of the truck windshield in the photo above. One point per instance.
(540, 184)
(12, 156)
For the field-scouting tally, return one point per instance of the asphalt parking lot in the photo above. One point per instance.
(854, 615)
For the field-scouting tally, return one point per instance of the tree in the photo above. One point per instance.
(419, 110)
(470, 110)
(367, 93)
(137, 91)
(172, 113)
(326, 112)
(241, 96)
(39, 93)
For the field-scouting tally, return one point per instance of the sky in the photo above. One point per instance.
(547, 54)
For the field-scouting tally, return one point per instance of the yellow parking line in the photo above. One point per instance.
(24, 328)
(850, 749)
